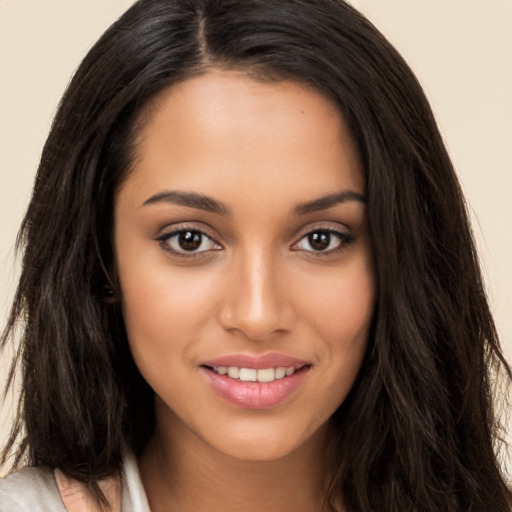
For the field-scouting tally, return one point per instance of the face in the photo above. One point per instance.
(245, 262)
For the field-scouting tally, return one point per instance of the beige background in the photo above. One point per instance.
(461, 50)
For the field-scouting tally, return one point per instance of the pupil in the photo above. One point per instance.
(319, 240)
(189, 240)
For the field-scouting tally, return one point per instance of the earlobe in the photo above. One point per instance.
(109, 295)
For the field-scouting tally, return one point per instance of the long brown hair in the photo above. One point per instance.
(418, 430)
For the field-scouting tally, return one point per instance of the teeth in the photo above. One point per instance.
(280, 372)
(253, 375)
(248, 375)
(233, 372)
(267, 375)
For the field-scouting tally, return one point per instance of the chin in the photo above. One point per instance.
(259, 444)
(251, 450)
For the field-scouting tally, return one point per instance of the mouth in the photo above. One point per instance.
(254, 374)
(256, 382)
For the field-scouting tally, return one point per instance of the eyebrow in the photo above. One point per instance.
(208, 204)
(326, 202)
(190, 199)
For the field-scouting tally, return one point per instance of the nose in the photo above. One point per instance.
(256, 303)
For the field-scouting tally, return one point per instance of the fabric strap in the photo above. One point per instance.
(76, 497)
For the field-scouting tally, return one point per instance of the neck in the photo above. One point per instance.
(181, 472)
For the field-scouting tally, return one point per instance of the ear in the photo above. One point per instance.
(109, 295)
(76, 497)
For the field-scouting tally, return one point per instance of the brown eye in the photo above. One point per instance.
(323, 241)
(319, 240)
(188, 241)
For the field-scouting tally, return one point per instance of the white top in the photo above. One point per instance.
(35, 490)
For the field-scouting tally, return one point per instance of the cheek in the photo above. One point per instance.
(160, 305)
(165, 313)
(342, 308)
(164, 306)
(338, 314)
(341, 315)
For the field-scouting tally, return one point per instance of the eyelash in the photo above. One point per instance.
(345, 239)
(166, 238)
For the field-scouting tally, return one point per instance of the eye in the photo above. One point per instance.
(189, 241)
(323, 241)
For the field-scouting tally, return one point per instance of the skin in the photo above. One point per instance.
(257, 285)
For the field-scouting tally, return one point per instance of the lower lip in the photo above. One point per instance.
(255, 395)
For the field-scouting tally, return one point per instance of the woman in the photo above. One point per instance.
(249, 279)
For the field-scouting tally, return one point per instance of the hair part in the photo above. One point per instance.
(418, 429)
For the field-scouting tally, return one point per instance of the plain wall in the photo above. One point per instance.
(461, 50)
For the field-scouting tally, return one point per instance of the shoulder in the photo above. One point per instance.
(37, 490)
(30, 490)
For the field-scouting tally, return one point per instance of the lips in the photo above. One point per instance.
(255, 382)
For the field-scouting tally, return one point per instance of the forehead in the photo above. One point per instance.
(225, 130)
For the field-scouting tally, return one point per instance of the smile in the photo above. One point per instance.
(253, 374)
(256, 381)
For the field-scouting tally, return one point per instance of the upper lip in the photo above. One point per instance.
(257, 361)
